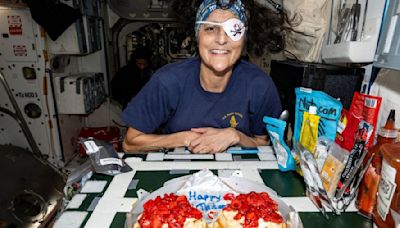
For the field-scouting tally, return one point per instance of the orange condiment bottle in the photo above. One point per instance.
(367, 192)
(389, 187)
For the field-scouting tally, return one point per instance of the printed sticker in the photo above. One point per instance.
(110, 161)
(20, 50)
(387, 187)
(14, 25)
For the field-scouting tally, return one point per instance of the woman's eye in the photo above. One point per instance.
(209, 28)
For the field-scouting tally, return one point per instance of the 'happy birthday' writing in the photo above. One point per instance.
(206, 202)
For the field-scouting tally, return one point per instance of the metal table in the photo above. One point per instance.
(116, 199)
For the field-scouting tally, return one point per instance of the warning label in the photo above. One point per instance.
(14, 25)
(20, 50)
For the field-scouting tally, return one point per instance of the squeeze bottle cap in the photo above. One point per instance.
(392, 115)
(312, 110)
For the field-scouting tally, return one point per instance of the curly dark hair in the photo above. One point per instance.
(267, 28)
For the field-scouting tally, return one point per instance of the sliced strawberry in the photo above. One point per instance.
(254, 206)
(229, 196)
(181, 198)
(273, 217)
(251, 216)
(236, 204)
(173, 225)
(169, 209)
(156, 223)
(238, 216)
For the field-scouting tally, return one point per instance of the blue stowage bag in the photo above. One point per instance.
(276, 130)
(328, 108)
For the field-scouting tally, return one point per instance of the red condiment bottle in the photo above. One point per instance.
(367, 192)
(389, 187)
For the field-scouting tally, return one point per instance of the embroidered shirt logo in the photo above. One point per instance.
(233, 118)
(233, 122)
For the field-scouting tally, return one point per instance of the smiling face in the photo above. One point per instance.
(217, 51)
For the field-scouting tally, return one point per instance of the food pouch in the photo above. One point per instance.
(104, 158)
(332, 168)
(346, 130)
(321, 151)
(367, 107)
(356, 155)
(309, 129)
(314, 184)
(328, 109)
(276, 130)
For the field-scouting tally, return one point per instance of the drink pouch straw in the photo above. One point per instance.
(276, 130)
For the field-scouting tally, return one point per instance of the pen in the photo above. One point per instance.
(242, 150)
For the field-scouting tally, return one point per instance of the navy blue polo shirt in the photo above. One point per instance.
(174, 99)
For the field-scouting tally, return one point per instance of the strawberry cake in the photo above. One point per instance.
(250, 210)
(244, 210)
(170, 211)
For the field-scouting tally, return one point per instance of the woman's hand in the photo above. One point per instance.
(189, 137)
(213, 140)
(137, 141)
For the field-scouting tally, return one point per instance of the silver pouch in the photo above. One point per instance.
(104, 158)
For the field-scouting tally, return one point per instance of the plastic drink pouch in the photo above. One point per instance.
(367, 107)
(309, 130)
(276, 130)
(311, 165)
(346, 130)
(321, 151)
(328, 109)
(315, 189)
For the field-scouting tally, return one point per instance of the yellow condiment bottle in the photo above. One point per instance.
(309, 129)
